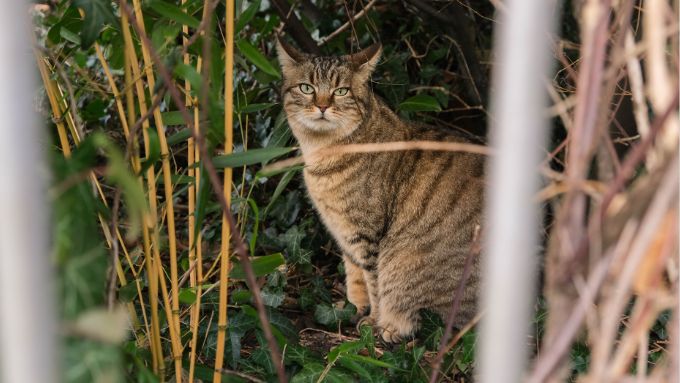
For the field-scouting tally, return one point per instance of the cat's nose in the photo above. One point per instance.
(322, 108)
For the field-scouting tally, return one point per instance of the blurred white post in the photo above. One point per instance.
(27, 315)
(517, 130)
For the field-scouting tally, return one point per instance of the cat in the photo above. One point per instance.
(405, 221)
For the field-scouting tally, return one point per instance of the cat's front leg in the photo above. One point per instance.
(357, 291)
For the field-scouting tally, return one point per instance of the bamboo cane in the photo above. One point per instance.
(173, 319)
(195, 259)
(132, 71)
(228, 142)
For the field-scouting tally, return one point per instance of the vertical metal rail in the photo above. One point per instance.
(27, 314)
(518, 130)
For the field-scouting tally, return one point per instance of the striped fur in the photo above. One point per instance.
(404, 220)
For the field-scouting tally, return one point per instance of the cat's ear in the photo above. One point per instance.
(365, 60)
(289, 57)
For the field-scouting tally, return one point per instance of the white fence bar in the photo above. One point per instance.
(27, 315)
(518, 129)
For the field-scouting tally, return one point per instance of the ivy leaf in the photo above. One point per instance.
(420, 103)
(329, 315)
(98, 13)
(272, 297)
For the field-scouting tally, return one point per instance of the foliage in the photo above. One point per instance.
(429, 72)
(293, 255)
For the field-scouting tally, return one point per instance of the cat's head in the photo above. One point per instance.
(326, 95)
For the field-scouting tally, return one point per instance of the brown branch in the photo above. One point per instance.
(550, 359)
(239, 245)
(397, 146)
(347, 24)
(295, 28)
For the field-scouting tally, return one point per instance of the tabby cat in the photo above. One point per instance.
(405, 221)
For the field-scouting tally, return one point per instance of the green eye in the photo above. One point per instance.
(341, 91)
(306, 89)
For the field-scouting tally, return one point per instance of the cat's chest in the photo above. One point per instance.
(345, 199)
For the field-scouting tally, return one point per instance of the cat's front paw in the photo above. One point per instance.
(395, 328)
(390, 334)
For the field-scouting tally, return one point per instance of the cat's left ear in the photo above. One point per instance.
(365, 60)
(289, 57)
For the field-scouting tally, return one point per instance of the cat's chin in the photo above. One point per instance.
(320, 125)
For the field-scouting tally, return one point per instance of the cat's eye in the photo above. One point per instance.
(341, 91)
(306, 89)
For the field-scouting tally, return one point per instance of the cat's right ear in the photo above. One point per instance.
(289, 57)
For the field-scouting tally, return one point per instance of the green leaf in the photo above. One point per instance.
(239, 325)
(344, 348)
(98, 13)
(329, 315)
(310, 373)
(261, 266)
(173, 118)
(118, 172)
(189, 73)
(68, 35)
(420, 103)
(272, 297)
(262, 357)
(128, 292)
(369, 360)
(164, 35)
(252, 108)
(282, 324)
(301, 355)
(240, 296)
(187, 296)
(249, 157)
(154, 153)
(174, 13)
(178, 137)
(257, 58)
(247, 15)
(279, 189)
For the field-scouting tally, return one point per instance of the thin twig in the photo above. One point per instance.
(398, 146)
(241, 375)
(347, 24)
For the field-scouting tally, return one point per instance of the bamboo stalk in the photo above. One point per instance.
(132, 71)
(136, 166)
(54, 95)
(228, 143)
(195, 312)
(173, 319)
(239, 245)
(195, 258)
